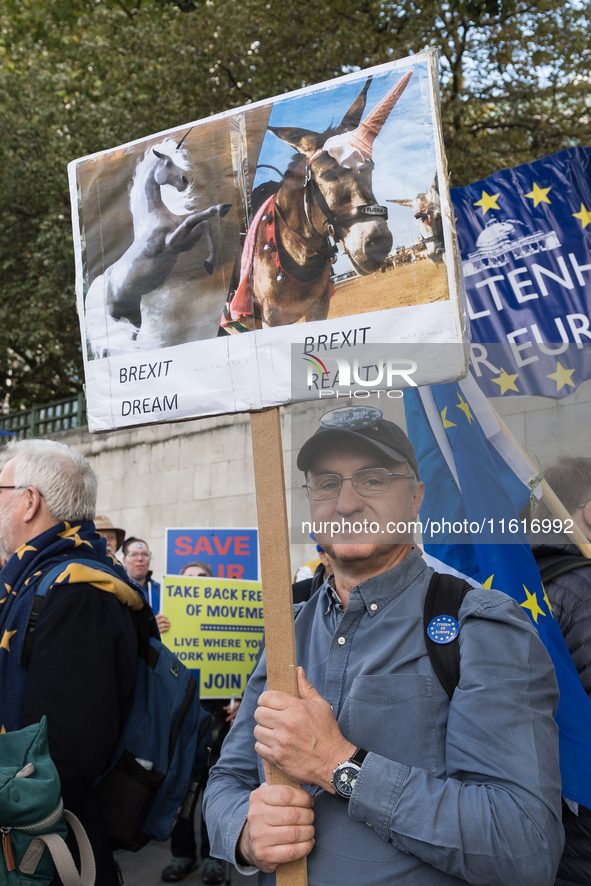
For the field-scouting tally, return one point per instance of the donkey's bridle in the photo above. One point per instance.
(334, 223)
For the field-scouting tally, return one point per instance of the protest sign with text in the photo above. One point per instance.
(227, 552)
(204, 252)
(216, 628)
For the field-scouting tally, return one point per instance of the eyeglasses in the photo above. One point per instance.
(13, 487)
(367, 482)
(140, 556)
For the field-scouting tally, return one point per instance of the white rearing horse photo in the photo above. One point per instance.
(113, 301)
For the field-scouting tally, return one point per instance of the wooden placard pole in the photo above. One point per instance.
(276, 580)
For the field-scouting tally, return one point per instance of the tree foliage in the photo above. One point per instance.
(79, 76)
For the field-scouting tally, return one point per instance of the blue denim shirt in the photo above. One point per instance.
(450, 792)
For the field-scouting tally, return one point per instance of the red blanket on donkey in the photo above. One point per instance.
(241, 304)
(238, 313)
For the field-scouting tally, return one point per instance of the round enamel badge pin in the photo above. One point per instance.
(443, 629)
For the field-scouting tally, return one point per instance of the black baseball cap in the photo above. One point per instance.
(359, 423)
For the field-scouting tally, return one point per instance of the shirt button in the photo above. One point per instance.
(341, 641)
(373, 607)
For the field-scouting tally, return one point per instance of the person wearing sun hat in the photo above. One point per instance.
(113, 535)
(402, 784)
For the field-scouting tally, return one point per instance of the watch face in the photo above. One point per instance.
(344, 779)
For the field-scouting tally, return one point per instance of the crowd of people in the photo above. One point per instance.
(403, 780)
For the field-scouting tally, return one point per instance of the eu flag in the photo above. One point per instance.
(525, 238)
(476, 482)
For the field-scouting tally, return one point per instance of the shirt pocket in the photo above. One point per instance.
(395, 715)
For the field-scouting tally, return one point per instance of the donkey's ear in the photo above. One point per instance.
(160, 155)
(352, 118)
(304, 141)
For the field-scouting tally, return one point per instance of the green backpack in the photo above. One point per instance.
(33, 818)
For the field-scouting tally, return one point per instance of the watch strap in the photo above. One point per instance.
(358, 757)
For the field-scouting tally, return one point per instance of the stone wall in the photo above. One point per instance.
(186, 474)
(200, 473)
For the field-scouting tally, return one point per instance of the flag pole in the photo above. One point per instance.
(280, 647)
(551, 499)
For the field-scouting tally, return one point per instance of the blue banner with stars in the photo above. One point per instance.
(473, 484)
(525, 239)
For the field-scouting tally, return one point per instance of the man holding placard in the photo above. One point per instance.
(402, 784)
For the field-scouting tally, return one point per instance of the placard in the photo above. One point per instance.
(216, 630)
(232, 553)
(204, 252)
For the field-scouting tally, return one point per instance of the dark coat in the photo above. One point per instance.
(81, 674)
(303, 590)
(570, 596)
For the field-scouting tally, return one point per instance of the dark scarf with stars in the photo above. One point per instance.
(18, 580)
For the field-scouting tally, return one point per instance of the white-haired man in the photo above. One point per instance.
(401, 784)
(81, 663)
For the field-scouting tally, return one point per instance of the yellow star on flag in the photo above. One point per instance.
(488, 583)
(5, 644)
(584, 215)
(548, 603)
(532, 604)
(562, 376)
(23, 550)
(71, 532)
(446, 422)
(465, 408)
(539, 195)
(3, 730)
(506, 382)
(487, 201)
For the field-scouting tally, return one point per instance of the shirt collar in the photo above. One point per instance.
(379, 590)
(330, 590)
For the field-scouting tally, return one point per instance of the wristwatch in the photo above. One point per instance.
(345, 775)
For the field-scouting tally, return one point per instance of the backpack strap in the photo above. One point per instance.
(553, 565)
(44, 583)
(444, 597)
